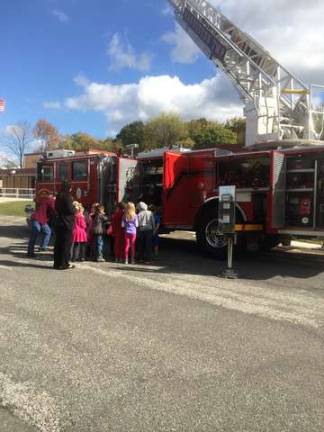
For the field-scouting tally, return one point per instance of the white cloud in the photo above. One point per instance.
(292, 30)
(122, 55)
(61, 16)
(52, 105)
(81, 80)
(184, 49)
(213, 98)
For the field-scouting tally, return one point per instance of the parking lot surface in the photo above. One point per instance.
(167, 347)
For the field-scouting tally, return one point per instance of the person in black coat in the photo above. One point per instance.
(64, 222)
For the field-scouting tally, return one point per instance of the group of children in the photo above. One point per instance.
(133, 233)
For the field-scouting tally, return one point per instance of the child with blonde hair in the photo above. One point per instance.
(79, 233)
(130, 224)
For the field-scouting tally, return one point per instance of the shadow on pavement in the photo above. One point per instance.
(182, 256)
(178, 255)
(19, 250)
(33, 264)
(14, 231)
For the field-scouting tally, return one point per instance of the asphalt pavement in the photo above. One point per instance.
(168, 347)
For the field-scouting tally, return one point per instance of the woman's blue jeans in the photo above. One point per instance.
(37, 229)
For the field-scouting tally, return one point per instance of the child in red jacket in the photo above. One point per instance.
(118, 233)
(79, 235)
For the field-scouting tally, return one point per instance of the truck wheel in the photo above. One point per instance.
(209, 239)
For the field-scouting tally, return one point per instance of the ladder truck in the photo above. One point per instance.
(279, 175)
(278, 106)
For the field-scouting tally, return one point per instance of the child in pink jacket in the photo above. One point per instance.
(79, 235)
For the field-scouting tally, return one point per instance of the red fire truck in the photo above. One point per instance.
(279, 176)
(279, 193)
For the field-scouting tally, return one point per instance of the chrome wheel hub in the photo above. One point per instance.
(214, 237)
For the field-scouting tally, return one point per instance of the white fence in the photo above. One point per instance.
(17, 193)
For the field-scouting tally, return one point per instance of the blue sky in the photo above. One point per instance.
(45, 44)
(96, 65)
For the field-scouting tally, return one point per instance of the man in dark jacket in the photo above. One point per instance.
(63, 228)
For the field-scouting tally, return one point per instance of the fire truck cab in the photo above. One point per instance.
(99, 177)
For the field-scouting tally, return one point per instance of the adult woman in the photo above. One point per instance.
(40, 223)
(63, 228)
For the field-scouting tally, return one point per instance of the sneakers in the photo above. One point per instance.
(31, 255)
(100, 259)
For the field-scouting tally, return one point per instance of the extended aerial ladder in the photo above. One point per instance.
(277, 105)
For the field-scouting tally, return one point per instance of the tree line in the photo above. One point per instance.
(165, 130)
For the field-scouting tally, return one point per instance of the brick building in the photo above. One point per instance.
(31, 159)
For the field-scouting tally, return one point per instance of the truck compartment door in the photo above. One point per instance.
(174, 186)
(278, 196)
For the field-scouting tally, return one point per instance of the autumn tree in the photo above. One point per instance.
(186, 142)
(17, 140)
(194, 126)
(112, 145)
(238, 126)
(80, 142)
(47, 134)
(165, 130)
(212, 135)
(132, 133)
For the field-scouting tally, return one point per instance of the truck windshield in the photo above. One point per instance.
(63, 171)
(45, 173)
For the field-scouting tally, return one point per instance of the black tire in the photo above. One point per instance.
(202, 239)
(208, 217)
